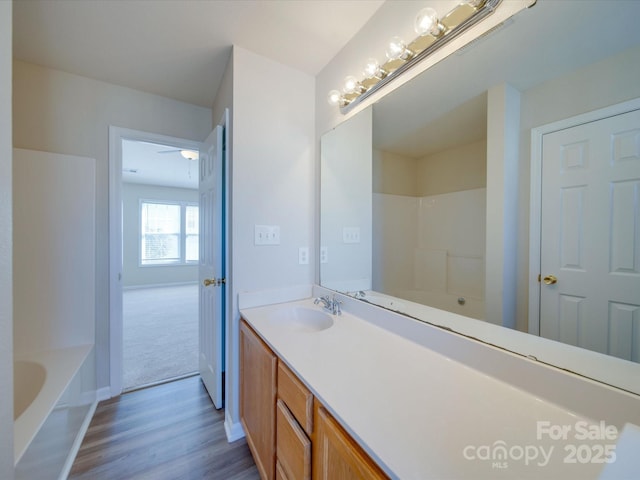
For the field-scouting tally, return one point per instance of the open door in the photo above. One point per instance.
(211, 271)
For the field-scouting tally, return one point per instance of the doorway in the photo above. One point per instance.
(154, 225)
(586, 177)
(160, 231)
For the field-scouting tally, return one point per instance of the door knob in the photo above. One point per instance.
(210, 281)
(550, 280)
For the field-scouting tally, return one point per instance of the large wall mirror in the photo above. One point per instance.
(409, 216)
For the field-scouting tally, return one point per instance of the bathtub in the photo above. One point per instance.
(28, 381)
(451, 302)
(54, 399)
(469, 307)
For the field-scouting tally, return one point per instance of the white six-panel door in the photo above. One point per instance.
(590, 236)
(211, 271)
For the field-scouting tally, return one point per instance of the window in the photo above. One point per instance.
(168, 233)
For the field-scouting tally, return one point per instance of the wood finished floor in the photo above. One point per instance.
(167, 432)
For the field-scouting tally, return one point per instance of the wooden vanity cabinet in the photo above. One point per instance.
(258, 370)
(290, 434)
(336, 456)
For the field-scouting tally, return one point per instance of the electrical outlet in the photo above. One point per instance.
(351, 235)
(303, 255)
(266, 235)
(324, 255)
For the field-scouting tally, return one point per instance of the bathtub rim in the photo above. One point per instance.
(61, 366)
(40, 373)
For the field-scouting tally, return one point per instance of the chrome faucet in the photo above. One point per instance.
(329, 303)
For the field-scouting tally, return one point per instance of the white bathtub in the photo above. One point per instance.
(29, 379)
(52, 402)
(470, 307)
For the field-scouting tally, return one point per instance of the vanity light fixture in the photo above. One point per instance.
(433, 32)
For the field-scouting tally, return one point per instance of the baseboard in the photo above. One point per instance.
(233, 430)
(78, 442)
(103, 393)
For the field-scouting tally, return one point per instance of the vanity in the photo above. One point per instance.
(375, 392)
(461, 351)
(287, 426)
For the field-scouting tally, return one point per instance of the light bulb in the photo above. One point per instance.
(427, 22)
(334, 98)
(371, 68)
(351, 84)
(396, 48)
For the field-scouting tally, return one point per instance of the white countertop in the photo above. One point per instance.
(422, 414)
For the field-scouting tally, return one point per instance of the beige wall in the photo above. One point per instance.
(6, 248)
(63, 113)
(456, 169)
(394, 174)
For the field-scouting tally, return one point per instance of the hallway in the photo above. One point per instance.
(170, 431)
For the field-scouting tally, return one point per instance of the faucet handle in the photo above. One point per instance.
(336, 306)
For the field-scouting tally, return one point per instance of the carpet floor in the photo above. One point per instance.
(160, 334)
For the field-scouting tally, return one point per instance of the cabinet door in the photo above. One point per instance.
(336, 456)
(258, 369)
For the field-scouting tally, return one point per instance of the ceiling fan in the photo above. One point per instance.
(188, 154)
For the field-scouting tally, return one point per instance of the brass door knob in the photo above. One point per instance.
(550, 280)
(210, 281)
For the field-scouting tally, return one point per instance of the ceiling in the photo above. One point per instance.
(179, 48)
(155, 164)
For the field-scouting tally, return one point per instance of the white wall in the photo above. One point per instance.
(54, 252)
(132, 273)
(272, 184)
(429, 221)
(63, 113)
(6, 248)
(395, 238)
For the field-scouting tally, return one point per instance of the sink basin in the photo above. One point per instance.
(302, 319)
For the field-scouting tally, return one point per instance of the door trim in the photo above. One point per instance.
(535, 213)
(116, 135)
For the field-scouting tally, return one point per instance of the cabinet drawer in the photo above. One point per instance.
(293, 449)
(296, 396)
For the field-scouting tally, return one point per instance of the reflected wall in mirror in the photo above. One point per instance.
(345, 197)
(429, 209)
(451, 182)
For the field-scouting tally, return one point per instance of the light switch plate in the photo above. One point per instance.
(267, 235)
(351, 235)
